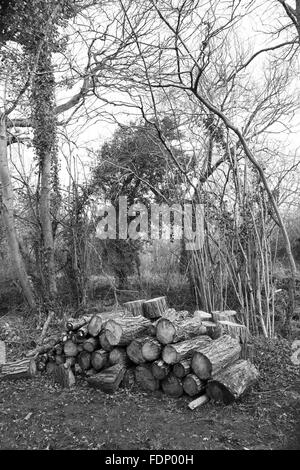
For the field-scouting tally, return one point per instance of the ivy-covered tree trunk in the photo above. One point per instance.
(45, 143)
(7, 213)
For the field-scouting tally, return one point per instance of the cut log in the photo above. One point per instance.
(202, 316)
(23, 369)
(172, 386)
(121, 331)
(135, 307)
(235, 330)
(172, 315)
(155, 308)
(95, 325)
(224, 315)
(2, 353)
(192, 385)
(108, 380)
(82, 332)
(214, 330)
(173, 353)
(99, 359)
(134, 351)
(118, 356)
(160, 369)
(210, 359)
(64, 376)
(74, 324)
(70, 348)
(182, 368)
(84, 360)
(90, 344)
(104, 343)
(168, 331)
(230, 383)
(151, 349)
(198, 402)
(144, 349)
(145, 379)
(91, 372)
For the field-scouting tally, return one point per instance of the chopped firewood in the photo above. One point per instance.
(160, 369)
(192, 385)
(211, 358)
(173, 353)
(155, 308)
(182, 368)
(198, 402)
(135, 307)
(231, 382)
(145, 379)
(121, 331)
(172, 386)
(168, 331)
(109, 379)
(23, 369)
(99, 359)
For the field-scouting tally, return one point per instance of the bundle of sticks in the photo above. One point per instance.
(203, 355)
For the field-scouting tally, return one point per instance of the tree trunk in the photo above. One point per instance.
(168, 331)
(210, 359)
(173, 353)
(108, 380)
(235, 330)
(2, 353)
(7, 211)
(64, 376)
(224, 315)
(192, 385)
(172, 386)
(230, 383)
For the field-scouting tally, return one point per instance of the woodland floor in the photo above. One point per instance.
(36, 414)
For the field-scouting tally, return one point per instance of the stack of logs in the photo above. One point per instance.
(202, 355)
